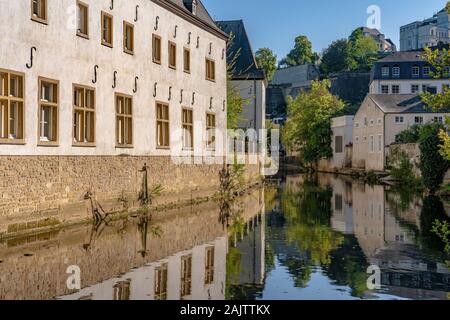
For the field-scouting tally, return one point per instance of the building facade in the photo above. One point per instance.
(380, 118)
(93, 91)
(405, 73)
(427, 33)
(247, 77)
(342, 140)
(384, 44)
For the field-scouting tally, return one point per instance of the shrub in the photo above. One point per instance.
(410, 135)
(432, 165)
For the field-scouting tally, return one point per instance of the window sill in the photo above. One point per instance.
(187, 71)
(173, 67)
(131, 53)
(82, 35)
(156, 62)
(124, 146)
(106, 44)
(12, 142)
(39, 20)
(48, 144)
(84, 145)
(163, 148)
(211, 80)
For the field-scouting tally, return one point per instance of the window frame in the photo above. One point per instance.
(55, 142)
(39, 19)
(191, 125)
(8, 98)
(396, 72)
(415, 75)
(126, 26)
(421, 118)
(164, 121)
(413, 87)
(394, 91)
(161, 282)
(155, 38)
(208, 63)
(86, 7)
(383, 74)
(84, 109)
(427, 73)
(385, 87)
(209, 264)
(186, 276)
(125, 116)
(208, 127)
(172, 45)
(402, 118)
(336, 144)
(188, 51)
(111, 32)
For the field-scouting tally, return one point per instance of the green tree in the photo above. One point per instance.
(336, 58)
(358, 52)
(432, 165)
(364, 53)
(308, 128)
(266, 59)
(301, 54)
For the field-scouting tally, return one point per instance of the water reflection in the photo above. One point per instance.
(312, 237)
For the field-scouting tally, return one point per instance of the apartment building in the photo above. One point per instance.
(84, 84)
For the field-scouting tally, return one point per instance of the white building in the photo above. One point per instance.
(342, 140)
(109, 78)
(247, 77)
(427, 33)
(384, 44)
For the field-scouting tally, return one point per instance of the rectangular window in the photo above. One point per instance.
(161, 282)
(156, 49)
(395, 89)
(39, 10)
(372, 147)
(82, 19)
(210, 131)
(399, 120)
(414, 88)
(338, 202)
(11, 107)
(426, 71)
(385, 72)
(83, 115)
(187, 60)
(438, 119)
(162, 125)
(415, 71)
(48, 111)
(124, 120)
(396, 72)
(188, 129)
(128, 38)
(338, 144)
(209, 265)
(385, 89)
(107, 29)
(380, 143)
(172, 55)
(186, 276)
(424, 88)
(210, 70)
(418, 120)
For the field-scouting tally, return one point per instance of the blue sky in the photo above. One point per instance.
(275, 24)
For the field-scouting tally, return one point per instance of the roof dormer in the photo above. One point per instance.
(191, 5)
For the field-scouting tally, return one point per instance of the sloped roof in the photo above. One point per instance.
(202, 17)
(240, 50)
(400, 103)
(404, 56)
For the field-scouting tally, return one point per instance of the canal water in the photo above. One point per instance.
(306, 237)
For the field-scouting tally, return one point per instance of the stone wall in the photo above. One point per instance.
(33, 188)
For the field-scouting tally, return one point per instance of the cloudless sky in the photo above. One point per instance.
(275, 24)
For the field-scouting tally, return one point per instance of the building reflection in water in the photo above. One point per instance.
(389, 235)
